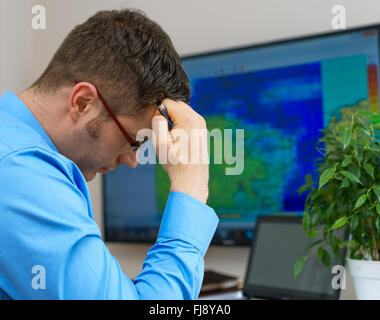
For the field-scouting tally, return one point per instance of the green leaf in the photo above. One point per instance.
(306, 222)
(360, 201)
(298, 266)
(355, 170)
(339, 223)
(326, 176)
(375, 117)
(369, 168)
(378, 208)
(345, 183)
(334, 156)
(365, 114)
(308, 184)
(344, 244)
(332, 239)
(323, 257)
(350, 176)
(315, 217)
(376, 190)
(365, 132)
(358, 152)
(362, 123)
(312, 233)
(309, 179)
(304, 188)
(377, 223)
(354, 223)
(367, 156)
(337, 254)
(346, 137)
(346, 162)
(314, 244)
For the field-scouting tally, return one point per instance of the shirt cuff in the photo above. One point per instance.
(186, 218)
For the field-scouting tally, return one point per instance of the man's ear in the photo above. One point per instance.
(81, 96)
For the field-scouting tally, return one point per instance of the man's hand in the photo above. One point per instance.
(183, 148)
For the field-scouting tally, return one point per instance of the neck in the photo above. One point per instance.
(45, 111)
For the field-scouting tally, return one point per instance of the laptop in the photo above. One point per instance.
(278, 242)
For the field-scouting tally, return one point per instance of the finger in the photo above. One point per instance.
(162, 137)
(178, 111)
(185, 112)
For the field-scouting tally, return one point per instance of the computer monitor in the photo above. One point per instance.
(282, 94)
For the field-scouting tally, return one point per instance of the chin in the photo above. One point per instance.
(89, 176)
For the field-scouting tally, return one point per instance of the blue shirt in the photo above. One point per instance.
(50, 245)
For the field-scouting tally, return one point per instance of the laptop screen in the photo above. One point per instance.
(278, 243)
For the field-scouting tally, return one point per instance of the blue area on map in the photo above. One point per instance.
(287, 99)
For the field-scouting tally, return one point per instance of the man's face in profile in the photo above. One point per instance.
(99, 146)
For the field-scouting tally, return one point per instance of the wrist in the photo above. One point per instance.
(198, 190)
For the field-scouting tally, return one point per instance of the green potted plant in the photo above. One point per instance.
(346, 198)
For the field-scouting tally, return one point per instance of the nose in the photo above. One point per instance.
(129, 158)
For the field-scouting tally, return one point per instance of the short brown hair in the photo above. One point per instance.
(127, 56)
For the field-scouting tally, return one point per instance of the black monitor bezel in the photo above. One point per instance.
(275, 42)
(255, 291)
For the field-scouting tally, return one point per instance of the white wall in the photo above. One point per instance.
(15, 44)
(194, 26)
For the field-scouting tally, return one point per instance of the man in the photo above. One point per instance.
(81, 117)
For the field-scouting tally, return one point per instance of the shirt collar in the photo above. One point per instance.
(11, 104)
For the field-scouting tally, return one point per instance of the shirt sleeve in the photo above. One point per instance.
(51, 248)
(174, 266)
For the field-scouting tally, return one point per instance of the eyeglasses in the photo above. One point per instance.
(133, 143)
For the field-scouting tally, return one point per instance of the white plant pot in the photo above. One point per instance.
(366, 277)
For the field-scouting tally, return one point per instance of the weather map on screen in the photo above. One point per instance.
(281, 96)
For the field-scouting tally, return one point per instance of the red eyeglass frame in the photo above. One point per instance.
(133, 143)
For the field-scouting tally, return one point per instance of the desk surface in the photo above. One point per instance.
(238, 295)
(234, 295)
